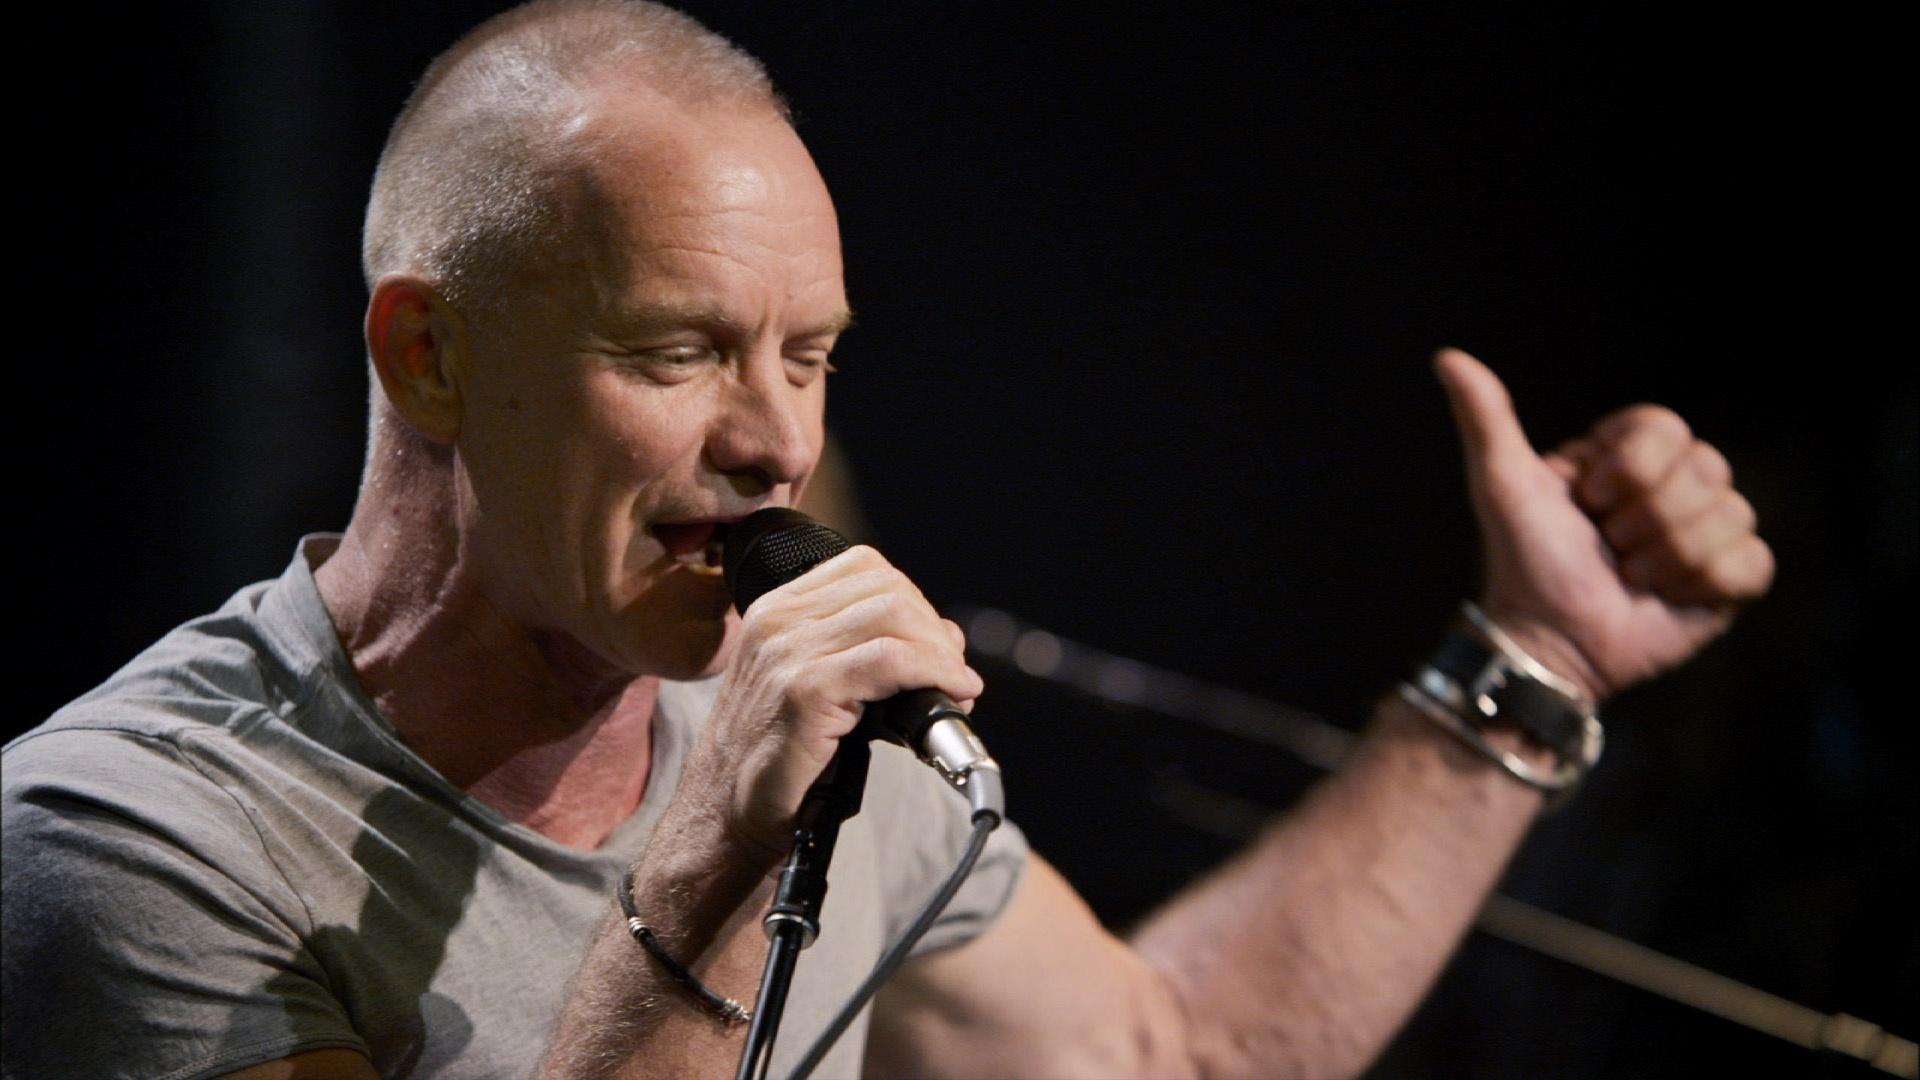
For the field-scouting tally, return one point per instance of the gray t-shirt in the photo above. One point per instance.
(224, 855)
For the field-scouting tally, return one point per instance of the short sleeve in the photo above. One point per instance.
(146, 931)
(924, 826)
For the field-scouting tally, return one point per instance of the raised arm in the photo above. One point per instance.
(1609, 560)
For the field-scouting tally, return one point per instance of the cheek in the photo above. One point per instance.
(517, 421)
(645, 441)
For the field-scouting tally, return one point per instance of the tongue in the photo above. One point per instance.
(684, 540)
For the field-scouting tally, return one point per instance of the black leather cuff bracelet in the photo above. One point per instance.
(1480, 681)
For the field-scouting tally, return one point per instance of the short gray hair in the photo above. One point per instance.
(471, 182)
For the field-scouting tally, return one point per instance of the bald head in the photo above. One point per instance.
(473, 182)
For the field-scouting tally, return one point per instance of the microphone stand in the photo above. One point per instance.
(794, 920)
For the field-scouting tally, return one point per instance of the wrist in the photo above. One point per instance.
(1551, 648)
(694, 875)
(1487, 690)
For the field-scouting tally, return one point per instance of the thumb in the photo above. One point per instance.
(1490, 433)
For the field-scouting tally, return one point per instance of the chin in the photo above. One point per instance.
(681, 626)
(695, 650)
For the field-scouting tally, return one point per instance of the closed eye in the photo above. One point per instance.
(680, 354)
(669, 363)
(820, 360)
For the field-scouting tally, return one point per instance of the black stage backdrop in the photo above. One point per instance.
(1145, 304)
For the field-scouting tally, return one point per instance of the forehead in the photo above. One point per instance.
(703, 207)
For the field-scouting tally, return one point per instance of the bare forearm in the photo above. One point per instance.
(625, 1016)
(1308, 951)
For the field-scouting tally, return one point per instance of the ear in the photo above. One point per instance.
(417, 342)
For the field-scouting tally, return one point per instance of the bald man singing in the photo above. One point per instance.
(374, 817)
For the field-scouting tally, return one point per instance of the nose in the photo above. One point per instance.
(767, 435)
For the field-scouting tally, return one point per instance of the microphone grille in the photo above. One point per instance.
(771, 547)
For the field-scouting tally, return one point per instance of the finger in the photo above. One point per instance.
(1490, 432)
(1697, 480)
(1739, 573)
(1637, 447)
(1709, 464)
(803, 590)
(1679, 556)
(879, 668)
(787, 619)
(837, 584)
(1570, 459)
(888, 613)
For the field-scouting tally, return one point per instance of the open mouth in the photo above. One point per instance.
(696, 545)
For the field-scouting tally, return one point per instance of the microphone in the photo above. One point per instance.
(771, 547)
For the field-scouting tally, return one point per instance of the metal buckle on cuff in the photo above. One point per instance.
(1466, 710)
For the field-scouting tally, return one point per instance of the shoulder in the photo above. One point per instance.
(140, 731)
(146, 923)
(137, 772)
(100, 809)
(209, 671)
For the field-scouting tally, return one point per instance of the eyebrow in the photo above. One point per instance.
(667, 315)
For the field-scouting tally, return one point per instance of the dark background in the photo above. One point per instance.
(1145, 304)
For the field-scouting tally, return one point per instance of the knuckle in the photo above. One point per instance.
(1722, 575)
(1658, 421)
(793, 681)
(1740, 512)
(866, 560)
(1760, 558)
(1638, 421)
(901, 583)
(1633, 478)
(890, 654)
(1709, 464)
(876, 607)
(1742, 572)
(812, 700)
(1644, 447)
(1730, 577)
(1644, 463)
(753, 623)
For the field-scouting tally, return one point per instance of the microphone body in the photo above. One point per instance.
(771, 547)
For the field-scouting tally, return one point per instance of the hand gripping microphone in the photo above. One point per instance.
(771, 547)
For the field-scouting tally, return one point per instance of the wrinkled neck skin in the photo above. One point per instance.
(529, 723)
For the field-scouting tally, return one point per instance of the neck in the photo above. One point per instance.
(527, 722)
